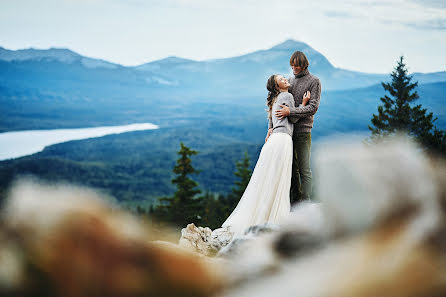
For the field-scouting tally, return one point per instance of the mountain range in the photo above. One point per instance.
(215, 106)
(55, 88)
(183, 73)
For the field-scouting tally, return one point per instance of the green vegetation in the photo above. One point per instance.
(185, 207)
(136, 167)
(244, 174)
(399, 115)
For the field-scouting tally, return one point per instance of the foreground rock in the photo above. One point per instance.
(65, 241)
(203, 240)
(220, 241)
(380, 230)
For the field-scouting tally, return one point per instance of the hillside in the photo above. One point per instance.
(135, 167)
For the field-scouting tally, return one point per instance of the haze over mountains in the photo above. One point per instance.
(183, 73)
(37, 86)
(214, 106)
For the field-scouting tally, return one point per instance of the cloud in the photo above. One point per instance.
(133, 32)
(428, 15)
(338, 14)
(431, 3)
(434, 24)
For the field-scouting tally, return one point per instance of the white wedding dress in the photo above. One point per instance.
(267, 196)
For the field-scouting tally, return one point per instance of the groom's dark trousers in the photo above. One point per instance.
(301, 174)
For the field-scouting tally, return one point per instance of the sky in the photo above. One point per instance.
(360, 35)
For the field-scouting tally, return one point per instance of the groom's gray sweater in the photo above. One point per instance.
(301, 83)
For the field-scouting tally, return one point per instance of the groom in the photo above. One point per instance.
(301, 82)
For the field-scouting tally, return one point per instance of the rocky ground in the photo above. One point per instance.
(379, 230)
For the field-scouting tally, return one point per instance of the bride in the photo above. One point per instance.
(267, 196)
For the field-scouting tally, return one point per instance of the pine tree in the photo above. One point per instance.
(244, 175)
(213, 210)
(183, 207)
(140, 211)
(397, 115)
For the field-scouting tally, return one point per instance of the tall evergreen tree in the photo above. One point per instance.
(243, 173)
(398, 115)
(183, 207)
(213, 210)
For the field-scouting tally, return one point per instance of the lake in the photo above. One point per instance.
(22, 143)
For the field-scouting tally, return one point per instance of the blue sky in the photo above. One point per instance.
(362, 35)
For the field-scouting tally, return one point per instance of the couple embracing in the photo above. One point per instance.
(282, 172)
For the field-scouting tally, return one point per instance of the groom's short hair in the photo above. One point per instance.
(298, 58)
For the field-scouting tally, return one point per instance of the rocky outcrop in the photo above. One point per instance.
(379, 230)
(382, 230)
(203, 240)
(220, 241)
(66, 241)
(304, 221)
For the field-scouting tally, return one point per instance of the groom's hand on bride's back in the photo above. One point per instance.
(282, 113)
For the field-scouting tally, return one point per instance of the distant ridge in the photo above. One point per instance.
(61, 54)
(58, 54)
(215, 74)
(56, 88)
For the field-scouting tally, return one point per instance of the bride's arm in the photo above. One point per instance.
(270, 130)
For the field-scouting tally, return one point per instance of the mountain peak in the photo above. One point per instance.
(291, 44)
(174, 59)
(62, 50)
(166, 62)
(61, 54)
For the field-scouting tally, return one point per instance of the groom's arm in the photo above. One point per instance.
(312, 106)
(291, 119)
(289, 102)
